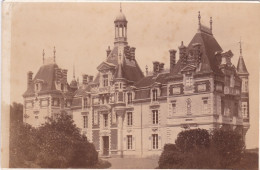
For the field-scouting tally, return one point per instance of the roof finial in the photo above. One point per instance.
(210, 23)
(54, 52)
(240, 47)
(146, 70)
(199, 17)
(43, 54)
(74, 71)
(120, 7)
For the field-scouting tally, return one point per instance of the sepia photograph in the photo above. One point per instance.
(130, 85)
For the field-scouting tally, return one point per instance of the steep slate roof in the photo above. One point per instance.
(129, 70)
(82, 91)
(209, 46)
(149, 80)
(241, 66)
(47, 74)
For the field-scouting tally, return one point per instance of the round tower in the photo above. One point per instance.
(120, 28)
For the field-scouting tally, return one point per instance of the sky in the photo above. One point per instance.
(81, 33)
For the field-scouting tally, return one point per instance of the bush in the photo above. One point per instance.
(197, 149)
(189, 139)
(170, 157)
(229, 144)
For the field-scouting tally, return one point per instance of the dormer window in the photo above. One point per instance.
(85, 102)
(155, 94)
(105, 80)
(189, 80)
(37, 87)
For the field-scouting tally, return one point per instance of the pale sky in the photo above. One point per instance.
(81, 33)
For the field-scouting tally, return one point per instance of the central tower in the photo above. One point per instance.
(120, 29)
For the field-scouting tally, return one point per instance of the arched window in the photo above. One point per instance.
(188, 101)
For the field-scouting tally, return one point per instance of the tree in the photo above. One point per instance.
(229, 144)
(23, 145)
(62, 145)
(16, 112)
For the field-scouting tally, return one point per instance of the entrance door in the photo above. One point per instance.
(105, 145)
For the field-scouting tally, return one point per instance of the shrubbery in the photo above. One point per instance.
(198, 148)
(191, 139)
(56, 144)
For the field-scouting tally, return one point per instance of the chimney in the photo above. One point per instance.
(58, 74)
(84, 79)
(155, 67)
(64, 72)
(29, 78)
(182, 53)
(90, 78)
(132, 53)
(172, 59)
(161, 67)
(197, 51)
(108, 51)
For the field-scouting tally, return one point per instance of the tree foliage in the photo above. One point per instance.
(199, 149)
(16, 112)
(194, 138)
(56, 144)
(229, 144)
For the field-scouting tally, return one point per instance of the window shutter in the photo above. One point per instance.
(133, 142)
(125, 144)
(159, 142)
(150, 142)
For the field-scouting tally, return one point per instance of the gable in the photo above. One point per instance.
(105, 66)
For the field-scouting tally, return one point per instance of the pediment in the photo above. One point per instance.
(189, 68)
(38, 81)
(105, 66)
(156, 84)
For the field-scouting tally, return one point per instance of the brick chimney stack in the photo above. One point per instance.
(65, 72)
(155, 67)
(132, 53)
(90, 78)
(84, 79)
(29, 78)
(108, 51)
(172, 59)
(161, 67)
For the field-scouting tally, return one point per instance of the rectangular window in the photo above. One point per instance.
(189, 81)
(129, 142)
(129, 118)
(105, 80)
(173, 108)
(62, 87)
(154, 94)
(205, 106)
(129, 98)
(155, 117)
(85, 121)
(155, 141)
(244, 110)
(95, 117)
(105, 116)
(85, 102)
